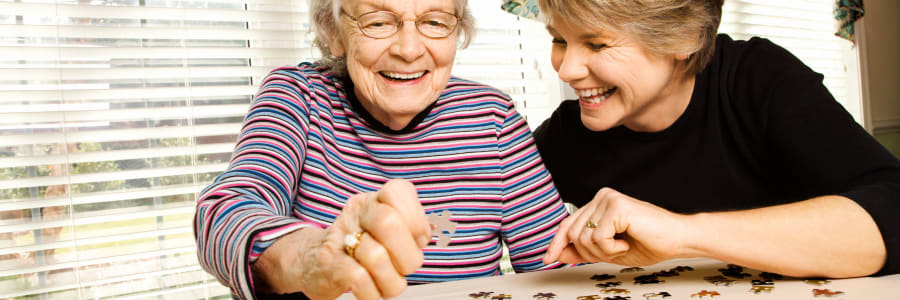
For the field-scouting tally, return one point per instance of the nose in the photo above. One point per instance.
(572, 66)
(408, 43)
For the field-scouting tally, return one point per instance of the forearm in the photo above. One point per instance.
(829, 236)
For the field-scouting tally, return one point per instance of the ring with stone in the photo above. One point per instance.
(351, 241)
(590, 224)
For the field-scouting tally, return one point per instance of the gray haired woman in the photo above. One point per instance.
(341, 164)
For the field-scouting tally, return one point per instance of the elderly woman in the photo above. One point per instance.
(685, 143)
(340, 164)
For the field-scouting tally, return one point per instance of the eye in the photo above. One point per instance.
(596, 47)
(558, 42)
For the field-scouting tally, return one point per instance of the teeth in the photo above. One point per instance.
(594, 95)
(404, 76)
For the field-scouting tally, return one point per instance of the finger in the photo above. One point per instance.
(570, 256)
(401, 195)
(376, 260)
(559, 241)
(614, 222)
(360, 282)
(388, 228)
(580, 235)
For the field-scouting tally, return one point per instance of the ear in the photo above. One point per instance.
(336, 46)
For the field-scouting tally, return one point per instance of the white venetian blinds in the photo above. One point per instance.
(115, 113)
(806, 28)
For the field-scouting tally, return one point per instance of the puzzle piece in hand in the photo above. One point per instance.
(825, 292)
(441, 223)
(544, 296)
(705, 293)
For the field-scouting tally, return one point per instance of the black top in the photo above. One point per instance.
(761, 129)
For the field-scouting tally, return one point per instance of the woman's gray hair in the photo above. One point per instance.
(661, 26)
(325, 19)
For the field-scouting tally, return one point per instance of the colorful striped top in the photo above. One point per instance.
(305, 148)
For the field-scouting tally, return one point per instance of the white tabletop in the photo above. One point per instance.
(575, 282)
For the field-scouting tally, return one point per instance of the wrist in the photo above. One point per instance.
(278, 267)
(694, 235)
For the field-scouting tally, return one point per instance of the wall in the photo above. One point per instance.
(880, 67)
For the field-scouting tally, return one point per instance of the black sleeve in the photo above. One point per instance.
(813, 143)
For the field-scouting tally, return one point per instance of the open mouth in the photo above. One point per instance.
(595, 95)
(395, 76)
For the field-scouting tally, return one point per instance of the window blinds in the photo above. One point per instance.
(115, 113)
(806, 28)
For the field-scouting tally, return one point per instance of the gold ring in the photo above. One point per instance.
(590, 224)
(351, 241)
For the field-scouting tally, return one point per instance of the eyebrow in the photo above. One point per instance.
(586, 36)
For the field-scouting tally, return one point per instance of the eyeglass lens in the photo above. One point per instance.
(382, 24)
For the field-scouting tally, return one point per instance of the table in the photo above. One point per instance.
(572, 283)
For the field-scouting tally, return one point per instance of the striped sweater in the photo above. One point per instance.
(305, 148)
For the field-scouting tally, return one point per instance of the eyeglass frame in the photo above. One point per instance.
(401, 21)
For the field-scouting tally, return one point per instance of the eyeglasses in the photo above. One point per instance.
(384, 24)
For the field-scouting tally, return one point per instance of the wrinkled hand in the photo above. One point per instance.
(314, 260)
(629, 232)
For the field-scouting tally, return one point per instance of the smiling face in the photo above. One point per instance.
(396, 77)
(618, 82)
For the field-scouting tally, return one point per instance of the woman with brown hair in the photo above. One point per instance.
(685, 143)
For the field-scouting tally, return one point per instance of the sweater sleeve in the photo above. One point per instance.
(813, 144)
(532, 208)
(249, 206)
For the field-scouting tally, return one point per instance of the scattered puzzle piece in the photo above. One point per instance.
(817, 281)
(615, 291)
(682, 268)
(617, 298)
(602, 277)
(631, 270)
(544, 296)
(770, 276)
(756, 289)
(589, 297)
(502, 297)
(719, 280)
(734, 271)
(763, 282)
(608, 284)
(441, 223)
(480, 295)
(705, 293)
(647, 279)
(825, 292)
(654, 295)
